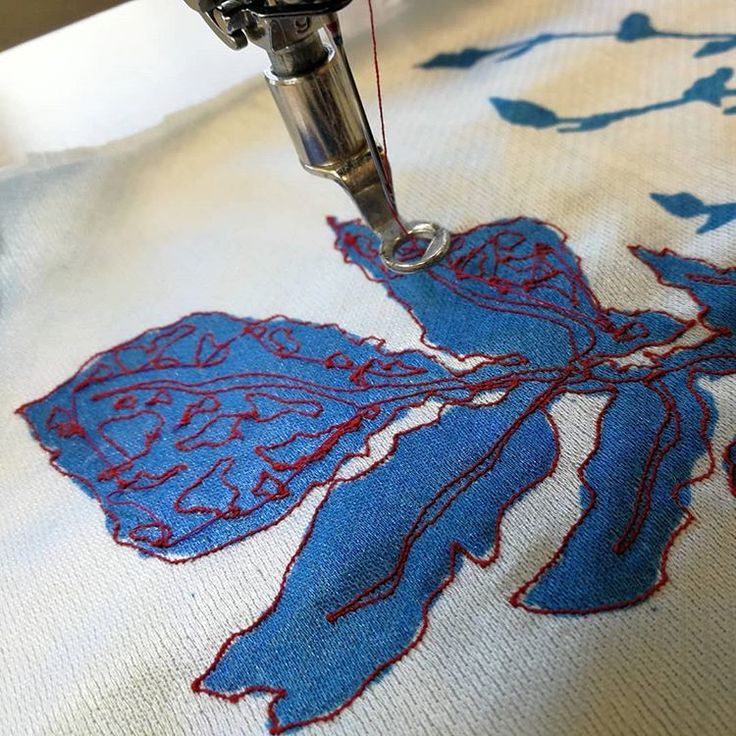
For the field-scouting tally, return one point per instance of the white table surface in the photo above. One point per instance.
(111, 75)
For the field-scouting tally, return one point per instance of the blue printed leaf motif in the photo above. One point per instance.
(522, 112)
(682, 204)
(635, 27)
(711, 89)
(687, 205)
(716, 47)
(196, 435)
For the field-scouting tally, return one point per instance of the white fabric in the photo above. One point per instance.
(210, 211)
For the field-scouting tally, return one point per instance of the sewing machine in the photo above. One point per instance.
(315, 91)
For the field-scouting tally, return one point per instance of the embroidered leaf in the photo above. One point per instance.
(714, 289)
(198, 434)
(356, 597)
(519, 282)
(364, 597)
(635, 497)
(729, 462)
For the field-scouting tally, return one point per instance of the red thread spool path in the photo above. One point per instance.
(377, 72)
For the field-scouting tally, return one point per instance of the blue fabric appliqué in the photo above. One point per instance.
(199, 434)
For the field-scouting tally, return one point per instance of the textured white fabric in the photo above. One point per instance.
(210, 211)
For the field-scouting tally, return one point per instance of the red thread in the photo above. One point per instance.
(728, 458)
(377, 72)
(379, 93)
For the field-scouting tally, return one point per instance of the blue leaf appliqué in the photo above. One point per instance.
(361, 592)
(199, 434)
(202, 433)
